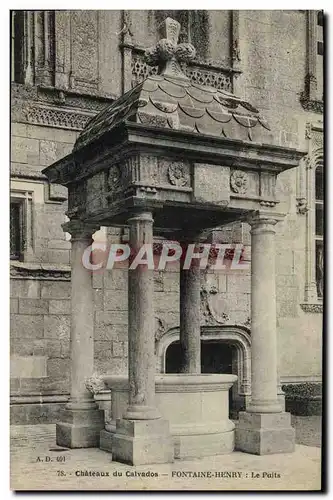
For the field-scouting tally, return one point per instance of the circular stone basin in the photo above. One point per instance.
(196, 406)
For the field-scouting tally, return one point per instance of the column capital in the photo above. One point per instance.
(264, 221)
(79, 229)
(142, 216)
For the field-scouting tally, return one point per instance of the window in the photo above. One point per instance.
(21, 240)
(319, 190)
(310, 198)
(320, 55)
(312, 97)
(16, 225)
(33, 47)
(17, 48)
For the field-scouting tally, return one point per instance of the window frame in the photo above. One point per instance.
(17, 255)
(306, 197)
(319, 238)
(310, 98)
(28, 194)
(25, 200)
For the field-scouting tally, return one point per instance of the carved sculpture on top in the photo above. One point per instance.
(167, 54)
(171, 100)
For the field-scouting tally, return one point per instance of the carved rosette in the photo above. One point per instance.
(178, 174)
(239, 181)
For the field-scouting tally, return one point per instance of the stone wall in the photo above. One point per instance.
(272, 49)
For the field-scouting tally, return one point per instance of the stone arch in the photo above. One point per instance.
(238, 336)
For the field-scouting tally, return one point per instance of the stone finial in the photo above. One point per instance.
(167, 54)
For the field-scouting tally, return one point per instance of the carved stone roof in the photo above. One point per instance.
(170, 100)
(176, 103)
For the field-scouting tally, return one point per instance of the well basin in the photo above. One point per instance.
(196, 406)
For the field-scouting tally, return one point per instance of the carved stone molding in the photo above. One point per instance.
(302, 206)
(57, 118)
(239, 181)
(52, 107)
(160, 328)
(114, 177)
(312, 308)
(27, 270)
(315, 106)
(218, 80)
(202, 73)
(317, 139)
(268, 203)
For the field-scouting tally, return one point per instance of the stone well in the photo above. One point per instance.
(196, 406)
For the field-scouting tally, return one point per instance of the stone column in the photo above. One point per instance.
(141, 324)
(189, 297)
(142, 436)
(82, 421)
(264, 428)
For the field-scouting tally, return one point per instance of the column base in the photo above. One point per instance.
(265, 433)
(139, 442)
(197, 442)
(80, 428)
(142, 412)
(106, 440)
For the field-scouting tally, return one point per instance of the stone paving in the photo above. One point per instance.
(38, 464)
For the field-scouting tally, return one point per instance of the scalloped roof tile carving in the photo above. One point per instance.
(178, 104)
(170, 100)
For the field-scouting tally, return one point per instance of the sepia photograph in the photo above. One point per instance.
(167, 250)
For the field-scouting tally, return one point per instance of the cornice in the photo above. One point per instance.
(30, 270)
(312, 307)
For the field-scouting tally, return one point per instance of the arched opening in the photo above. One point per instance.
(217, 356)
(224, 349)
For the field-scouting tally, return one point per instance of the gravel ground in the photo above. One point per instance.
(31, 470)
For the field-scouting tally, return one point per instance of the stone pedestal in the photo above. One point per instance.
(265, 433)
(80, 428)
(141, 436)
(139, 442)
(264, 428)
(81, 421)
